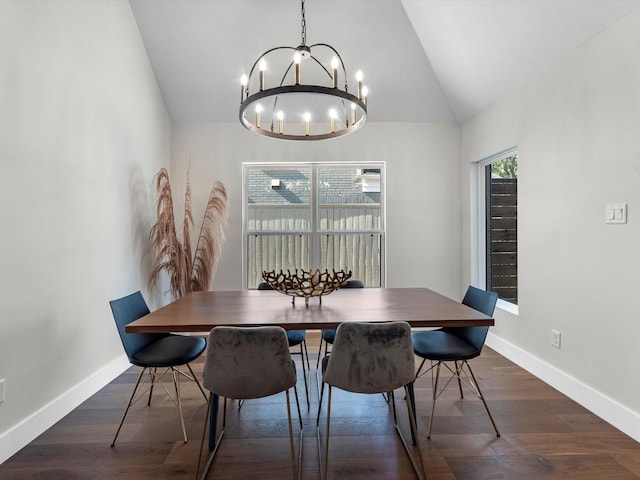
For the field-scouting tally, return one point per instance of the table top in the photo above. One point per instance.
(201, 311)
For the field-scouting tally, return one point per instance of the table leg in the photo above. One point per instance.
(213, 421)
(412, 397)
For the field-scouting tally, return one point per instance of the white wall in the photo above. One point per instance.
(423, 195)
(84, 129)
(576, 128)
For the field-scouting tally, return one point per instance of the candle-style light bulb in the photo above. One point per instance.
(280, 116)
(359, 80)
(353, 113)
(244, 80)
(259, 109)
(307, 119)
(296, 60)
(334, 66)
(333, 115)
(263, 66)
(365, 92)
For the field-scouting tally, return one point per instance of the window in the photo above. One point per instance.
(498, 222)
(307, 216)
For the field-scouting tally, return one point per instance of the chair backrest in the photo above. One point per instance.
(264, 286)
(371, 357)
(126, 310)
(482, 301)
(248, 362)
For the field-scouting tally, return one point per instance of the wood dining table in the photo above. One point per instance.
(202, 311)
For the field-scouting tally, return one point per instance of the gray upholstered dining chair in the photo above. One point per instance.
(370, 358)
(295, 338)
(244, 363)
(328, 335)
(152, 351)
(457, 345)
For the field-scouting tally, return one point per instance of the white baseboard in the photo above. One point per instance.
(21, 434)
(609, 410)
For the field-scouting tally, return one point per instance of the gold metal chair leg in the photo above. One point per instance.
(295, 391)
(306, 353)
(420, 373)
(324, 470)
(481, 396)
(152, 379)
(296, 471)
(471, 382)
(195, 379)
(434, 398)
(459, 367)
(204, 435)
(304, 372)
(319, 352)
(176, 383)
(326, 349)
(126, 410)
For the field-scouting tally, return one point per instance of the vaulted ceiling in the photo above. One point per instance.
(423, 60)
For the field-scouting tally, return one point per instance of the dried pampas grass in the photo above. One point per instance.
(187, 273)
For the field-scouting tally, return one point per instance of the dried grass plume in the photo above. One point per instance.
(187, 272)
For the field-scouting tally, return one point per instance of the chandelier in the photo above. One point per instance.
(306, 102)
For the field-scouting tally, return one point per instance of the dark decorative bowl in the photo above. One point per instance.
(306, 284)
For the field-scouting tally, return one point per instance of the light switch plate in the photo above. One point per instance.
(616, 213)
(2, 390)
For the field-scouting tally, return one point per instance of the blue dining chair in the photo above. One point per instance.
(154, 350)
(295, 338)
(328, 336)
(457, 345)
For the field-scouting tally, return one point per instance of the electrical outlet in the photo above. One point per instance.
(555, 338)
(2, 390)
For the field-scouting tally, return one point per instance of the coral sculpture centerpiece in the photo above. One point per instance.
(306, 284)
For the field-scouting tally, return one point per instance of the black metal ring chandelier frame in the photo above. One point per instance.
(351, 115)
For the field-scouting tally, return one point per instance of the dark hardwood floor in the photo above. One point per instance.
(545, 435)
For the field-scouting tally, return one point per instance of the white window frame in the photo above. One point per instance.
(314, 232)
(481, 236)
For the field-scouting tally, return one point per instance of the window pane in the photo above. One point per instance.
(275, 252)
(502, 228)
(360, 253)
(278, 199)
(349, 199)
(290, 209)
